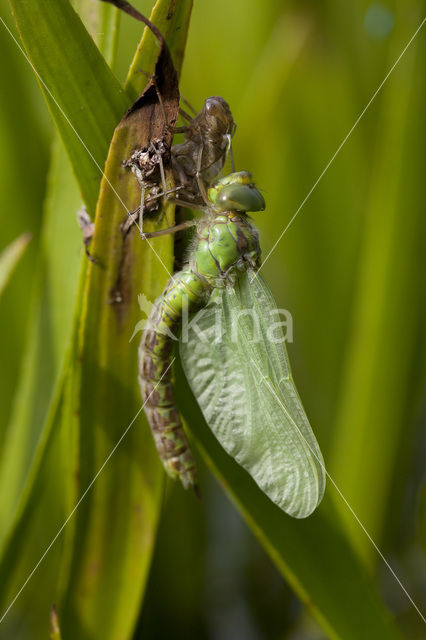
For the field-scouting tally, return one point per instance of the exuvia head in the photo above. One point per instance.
(236, 192)
(219, 115)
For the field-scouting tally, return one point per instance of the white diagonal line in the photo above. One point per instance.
(80, 138)
(333, 157)
(84, 494)
(272, 390)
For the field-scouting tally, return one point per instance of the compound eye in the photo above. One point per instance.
(240, 197)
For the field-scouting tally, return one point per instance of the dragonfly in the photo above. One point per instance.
(194, 163)
(242, 380)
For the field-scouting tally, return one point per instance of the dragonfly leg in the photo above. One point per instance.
(88, 228)
(185, 116)
(164, 232)
(183, 113)
(189, 105)
(141, 208)
(144, 186)
(167, 192)
(179, 202)
(178, 169)
(200, 182)
(134, 215)
(128, 223)
(163, 183)
(151, 78)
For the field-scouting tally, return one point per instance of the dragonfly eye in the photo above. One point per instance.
(240, 197)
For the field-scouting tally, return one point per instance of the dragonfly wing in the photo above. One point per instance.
(237, 366)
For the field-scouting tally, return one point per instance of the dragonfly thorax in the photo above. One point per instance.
(226, 243)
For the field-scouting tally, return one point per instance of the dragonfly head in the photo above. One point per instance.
(236, 192)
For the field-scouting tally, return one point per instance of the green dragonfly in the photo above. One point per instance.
(242, 380)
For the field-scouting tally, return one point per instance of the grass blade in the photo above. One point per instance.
(116, 446)
(147, 51)
(36, 465)
(70, 68)
(9, 258)
(49, 335)
(370, 425)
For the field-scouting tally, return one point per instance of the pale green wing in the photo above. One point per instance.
(236, 363)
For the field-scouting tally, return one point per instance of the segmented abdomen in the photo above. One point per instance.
(225, 245)
(155, 373)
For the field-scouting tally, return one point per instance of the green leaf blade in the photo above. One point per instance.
(49, 335)
(10, 257)
(85, 99)
(116, 446)
(173, 21)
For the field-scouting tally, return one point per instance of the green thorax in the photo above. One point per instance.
(227, 241)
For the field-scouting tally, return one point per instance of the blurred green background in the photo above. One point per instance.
(350, 269)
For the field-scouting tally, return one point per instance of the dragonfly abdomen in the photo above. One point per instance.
(155, 373)
(226, 243)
